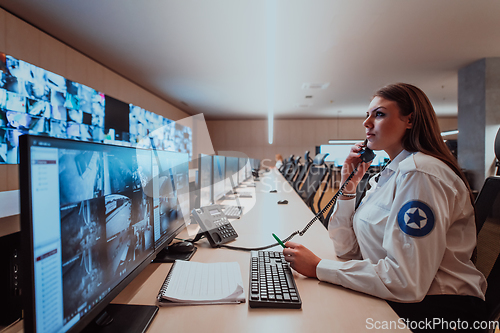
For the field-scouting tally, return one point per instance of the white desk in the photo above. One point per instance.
(325, 307)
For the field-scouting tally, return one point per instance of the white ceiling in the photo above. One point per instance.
(221, 57)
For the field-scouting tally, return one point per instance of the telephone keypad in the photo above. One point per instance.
(215, 225)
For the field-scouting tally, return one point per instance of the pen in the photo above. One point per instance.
(279, 241)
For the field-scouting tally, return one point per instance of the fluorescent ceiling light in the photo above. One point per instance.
(270, 124)
(344, 142)
(271, 14)
(449, 133)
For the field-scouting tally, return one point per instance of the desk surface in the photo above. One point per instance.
(325, 307)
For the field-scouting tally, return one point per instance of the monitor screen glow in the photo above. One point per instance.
(92, 216)
(205, 182)
(219, 177)
(338, 154)
(89, 228)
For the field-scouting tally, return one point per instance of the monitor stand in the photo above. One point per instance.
(167, 256)
(126, 318)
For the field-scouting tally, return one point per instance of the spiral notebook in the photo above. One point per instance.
(195, 283)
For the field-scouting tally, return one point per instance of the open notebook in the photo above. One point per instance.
(194, 283)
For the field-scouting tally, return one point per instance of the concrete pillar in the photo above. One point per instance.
(478, 118)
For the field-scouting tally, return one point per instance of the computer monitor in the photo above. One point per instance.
(219, 187)
(86, 231)
(255, 163)
(248, 169)
(241, 169)
(231, 171)
(205, 180)
(171, 195)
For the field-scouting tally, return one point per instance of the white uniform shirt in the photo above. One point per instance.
(412, 235)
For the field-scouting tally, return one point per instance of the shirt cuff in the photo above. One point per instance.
(327, 270)
(345, 208)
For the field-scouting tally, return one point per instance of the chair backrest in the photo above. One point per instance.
(326, 186)
(283, 164)
(315, 177)
(293, 171)
(303, 172)
(288, 167)
(497, 151)
(486, 201)
(487, 208)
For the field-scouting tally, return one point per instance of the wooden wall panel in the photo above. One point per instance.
(290, 136)
(3, 177)
(12, 177)
(52, 54)
(97, 77)
(9, 225)
(3, 31)
(76, 66)
(22, 40)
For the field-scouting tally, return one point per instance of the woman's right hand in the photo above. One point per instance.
(352, 161)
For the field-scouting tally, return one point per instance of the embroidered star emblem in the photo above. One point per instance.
(415, 218)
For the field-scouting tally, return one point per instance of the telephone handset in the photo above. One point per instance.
(214, 224)
(367, 154)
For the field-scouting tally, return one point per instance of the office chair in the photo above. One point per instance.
(282, 167)
(293, 171)
(486, 256)
(302, 174)
(286, 165)
(497, 152)
(487, 259)
(326, 186)
(315, 177)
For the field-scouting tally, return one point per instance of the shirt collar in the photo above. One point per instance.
(393, 165)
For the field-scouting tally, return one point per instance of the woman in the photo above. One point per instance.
(279, 161)
(411, 239)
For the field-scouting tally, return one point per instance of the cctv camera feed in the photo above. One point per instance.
(104, 222)
(36, 101)
(150, 130)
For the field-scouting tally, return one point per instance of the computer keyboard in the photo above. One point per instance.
(272, 284)
(233, 212)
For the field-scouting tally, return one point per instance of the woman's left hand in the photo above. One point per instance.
(301, 259)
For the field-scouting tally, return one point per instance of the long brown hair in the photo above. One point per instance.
(424, 135)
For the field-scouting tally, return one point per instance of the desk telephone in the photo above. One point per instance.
(214, 224)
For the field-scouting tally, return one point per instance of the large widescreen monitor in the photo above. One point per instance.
(92, 217)
(220, 188)
(231, 173)
(38, 102)
(241, 169)
(205, 180)
(248, 169)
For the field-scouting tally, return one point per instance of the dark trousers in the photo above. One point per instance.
(442, 313)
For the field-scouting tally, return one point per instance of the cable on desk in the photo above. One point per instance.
(297, 232)
(11, 325)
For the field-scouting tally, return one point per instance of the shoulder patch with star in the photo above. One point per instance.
(416, 219)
